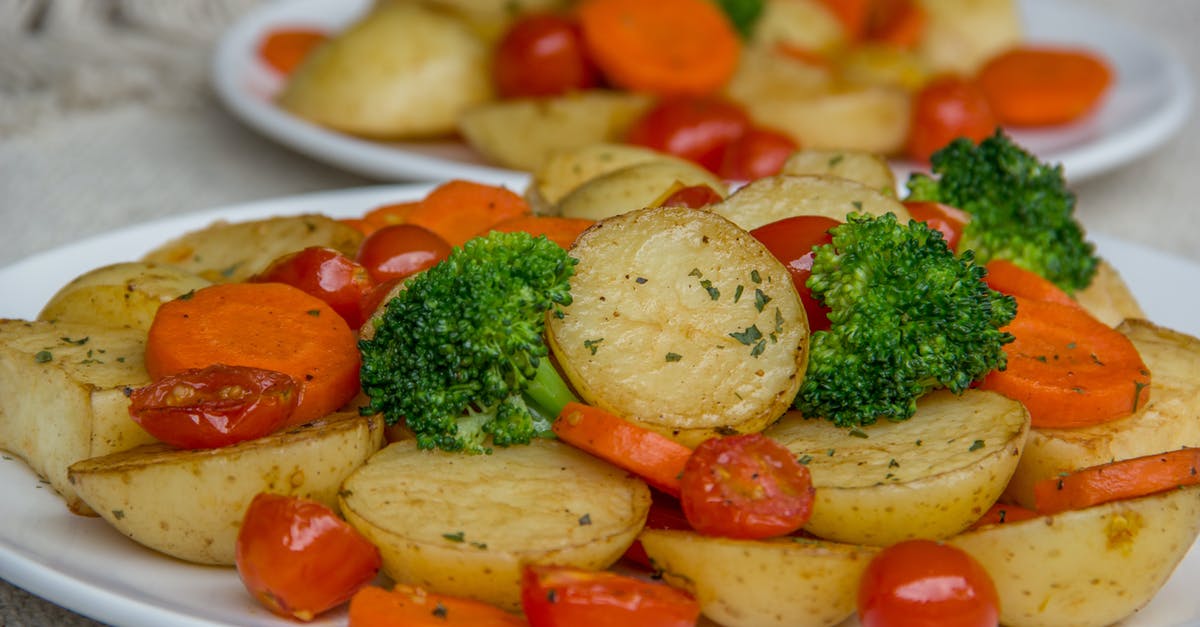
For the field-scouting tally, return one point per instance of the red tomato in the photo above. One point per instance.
(400, 250)
(327, 274)
(692, 196)
(543, 55)
(948, 220)
(298, 558)
(214, 406)
(745, 486)
(947, 108)
(757, 153)
(562, 596)
(697, 129)
(665, 513)
(791, 241)
(922, 583)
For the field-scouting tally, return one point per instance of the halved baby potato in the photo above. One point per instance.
(633, 187)
(930, 476)
(190, 503)
(683, 323)
(862, 167)
(564, 170)
(466, 524)
(120, 295)
(790, 581)
(773, 198)
(869, 119)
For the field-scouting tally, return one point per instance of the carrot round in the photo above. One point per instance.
(387, 215)
(410, 606)
(459, 210)
(558, 229)
(264, 325)
(284, 50)
(1124, 479)
(1007, 277)
(1039, 86)
(648, 454)
(1069, 369)
(665, 47)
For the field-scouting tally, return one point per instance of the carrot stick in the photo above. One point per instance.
(1000, 513)
(459, 210)
(560, 230)
(1069, 369)
(665, 47)
(1038, 86)
(650, 455)
(284, 50)
(1007, 277)
(264, 325)
(410, 606)
(1124, 479)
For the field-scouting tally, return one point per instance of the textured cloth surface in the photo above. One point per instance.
(106, 119)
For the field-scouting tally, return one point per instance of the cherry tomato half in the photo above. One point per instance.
(922, 583)
(327, 274)
(298, 558)
(947, 220)
(946, 108)
(791, 241)
(214, 406)
(543, 55)
(692, 197)
(745, 486)
(696, 129)
(665, 513)
(561, 596)
(400, 250)
(757, 153)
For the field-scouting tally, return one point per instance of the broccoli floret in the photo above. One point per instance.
(906, 316)
(743, 14)
(459, 354)
(1021, 209)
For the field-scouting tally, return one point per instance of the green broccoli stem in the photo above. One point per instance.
(547, 393)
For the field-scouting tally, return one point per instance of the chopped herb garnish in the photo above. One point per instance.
(457, 536)
(674, 357)
(313, 312)
(592, 345)
(1138, 386)
(43, 356)
(858, 433)
(976, 445)
(696, 273)
(758, 348)
(640, 280)
(755, 276)
(749, 336)
(713, 292)
(857, 204)
(804, 459)
(187, 295)
(737, 293)
(586, 519)
(836, 159)
(79, 342)
(760, 299)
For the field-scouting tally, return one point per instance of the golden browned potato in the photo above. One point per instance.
(190, 503)
(766, 73)
(868, 119)
(466, 524)
(789, 582)
(683, 323)
(803, 24)
(62, 395)
(564, 170)
(862, 167)
(404, 70)
(869, 64)
(777, 197)
(632, 187)
(1167, 422)
(1089, 567)
(1109, 298)
(120, 295)
(930, 476)
(522, 133)
(960, 35)
(228, 252)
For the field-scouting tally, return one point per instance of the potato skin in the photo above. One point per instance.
(189, 503)
(120, 295)
(466, 524)
(661, 298)
(782, 196)
(633, 187)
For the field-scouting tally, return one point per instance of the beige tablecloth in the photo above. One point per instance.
(106, 120)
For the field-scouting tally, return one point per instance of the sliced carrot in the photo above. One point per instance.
(411, 606)
(264, 325)
(459, 210)
(560, 230)
(648, 454)
(1007, 277)
(665, 47)
(853, 15)
(387, 215)
(284, 50)
(1038, 86)
(1069, 369)
(1123, 479)
(1000, 513)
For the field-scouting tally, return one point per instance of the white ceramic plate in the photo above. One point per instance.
(1150, 100)
(82, 564)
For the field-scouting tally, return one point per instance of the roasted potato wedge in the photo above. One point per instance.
(766, 73)
(189, 503)
(62, 395)
(777, 197)
(228, 252)
(1167, 422)
(405, 70)
(930, 476)
(466, 524)
(960, 35)
(634, 187)
(120, 295)
(861, 167)
(1109, 298)
(522, 133)
(868, 119)
(1089, 567)
(683, 323)
(762, 583)
(564, 170)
